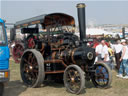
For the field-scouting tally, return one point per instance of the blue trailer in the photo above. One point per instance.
(4, 57)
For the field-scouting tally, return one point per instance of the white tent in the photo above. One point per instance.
(95, 31)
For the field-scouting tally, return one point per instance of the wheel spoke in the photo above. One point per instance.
(25, 60)
(29, 57)
(69, 73)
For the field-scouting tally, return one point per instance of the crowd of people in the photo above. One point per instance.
(117, 52)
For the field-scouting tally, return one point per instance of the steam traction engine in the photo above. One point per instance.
(58, 53)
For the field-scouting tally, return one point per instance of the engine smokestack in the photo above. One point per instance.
(81, 20)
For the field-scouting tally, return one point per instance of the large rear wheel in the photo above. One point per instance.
(74, 79)
(32, 68)
(103, 76)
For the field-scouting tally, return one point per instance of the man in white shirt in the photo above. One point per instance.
(102, 52)
(118, 48)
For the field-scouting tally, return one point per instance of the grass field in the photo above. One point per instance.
(15, 87)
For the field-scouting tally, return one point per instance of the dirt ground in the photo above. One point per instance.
(15, 87)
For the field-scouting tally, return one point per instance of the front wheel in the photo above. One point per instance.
(74, 79)
(102, 77)
(1, 89)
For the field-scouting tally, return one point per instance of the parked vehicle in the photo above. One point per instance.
(4, 57)
(57, 53)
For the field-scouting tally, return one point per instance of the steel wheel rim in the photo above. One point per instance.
(101, 76)
(17, 52)
(73, 79)
(30, 69)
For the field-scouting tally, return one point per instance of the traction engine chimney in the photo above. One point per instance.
(81, 20)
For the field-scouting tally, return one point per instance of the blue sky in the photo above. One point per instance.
(97, 12)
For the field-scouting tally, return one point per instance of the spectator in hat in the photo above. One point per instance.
(123, 71)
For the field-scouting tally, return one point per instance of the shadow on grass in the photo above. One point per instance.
(88, 85)
(58, 85)
(14, 88)
(53, 84)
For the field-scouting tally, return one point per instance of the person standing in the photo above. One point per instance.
(123, 71)
(118, 49)
(111, 55)
(102, 52)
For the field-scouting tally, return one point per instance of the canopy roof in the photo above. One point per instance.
(47, 20)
